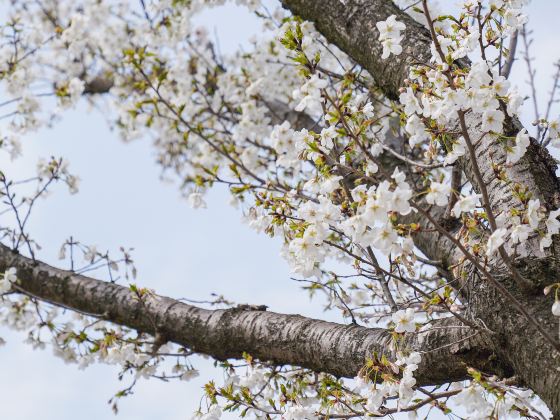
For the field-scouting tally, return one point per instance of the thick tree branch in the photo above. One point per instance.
(323, 346)
(350, 25)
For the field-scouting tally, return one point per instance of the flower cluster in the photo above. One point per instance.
(390, 36)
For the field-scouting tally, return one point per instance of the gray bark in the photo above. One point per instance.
(337, 349)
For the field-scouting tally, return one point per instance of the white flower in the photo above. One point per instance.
(13, 144)
(404, 321)
(316, 233)
(518, 151)
(533, 214)
(296, 412)
(384, 237)
(73, 183)
(495, 241)
(478, 75)
(10, 276)
(472, 399)
(391, 46)
(330, 184)
(282, 138)
(556, 308)
(515, 100)
(390, 28)
(554, 130)
(255, 378)
(398, 176)
(375, 398)
(501, 85)
(189, 374)
(215, 413)
(90, 254)
(492, 120)
(368, 110)
(514, 19)
(410, 102)
(438, 193)
(552, 223)
(405, 385)
(324, 211)
(416, 129)
(196, 201)
(546, 241)
(327, 136)
(465, 204)
(458, 150)
(75, 89)
(374, 210)
(520, 233)
(482, 102)
(552, 227)
(376, 149)
(310, 92)
(400, 199)
(413, 358)
(390, 36)
(466, 45)
(303, 253)
(371, 168)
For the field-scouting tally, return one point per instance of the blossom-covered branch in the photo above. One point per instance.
(366, 139)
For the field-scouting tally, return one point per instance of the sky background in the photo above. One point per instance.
(179, 252)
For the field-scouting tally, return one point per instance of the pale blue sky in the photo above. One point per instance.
(179, 251)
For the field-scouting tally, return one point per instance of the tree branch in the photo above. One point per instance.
(508, 65)
(350, 25)
(322, 346)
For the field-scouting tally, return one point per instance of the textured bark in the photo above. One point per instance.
(323, 346)
(351, 26)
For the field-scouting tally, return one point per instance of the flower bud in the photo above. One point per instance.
(556, 308)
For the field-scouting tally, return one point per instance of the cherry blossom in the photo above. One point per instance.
(520, 147)
(556, 308)
(390, 35)
(404, 321)
(496, 240)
